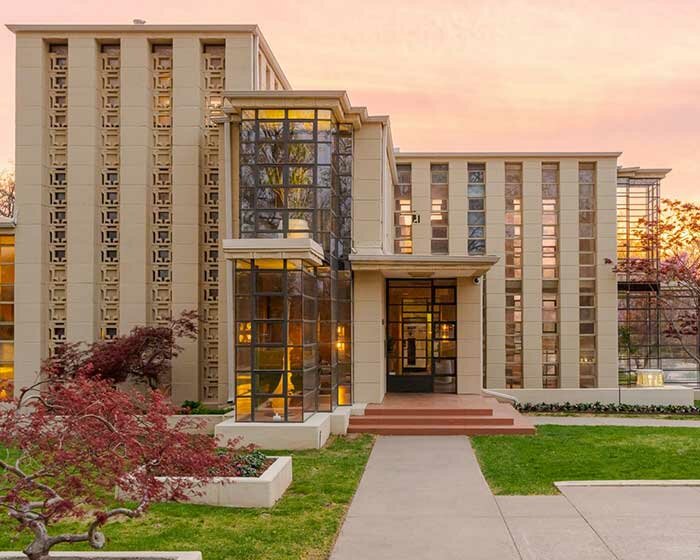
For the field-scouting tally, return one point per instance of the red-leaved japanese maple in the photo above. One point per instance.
(142, 356)
(67, 447)
(675, 234)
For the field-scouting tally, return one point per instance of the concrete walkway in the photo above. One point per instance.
(424, 497)
(611, 421)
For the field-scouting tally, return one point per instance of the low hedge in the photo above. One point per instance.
(600, 408)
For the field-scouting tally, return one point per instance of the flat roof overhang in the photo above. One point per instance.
(304, 248)
(424, 266)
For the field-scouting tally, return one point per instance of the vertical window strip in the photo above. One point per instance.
(161, 183)
(439, 221)
(403, 211)
(476, 214)
(587, 275)
(514, 273)
(213, 72)
(7, 314)
(110, 62)
(58, 192)
(550, 275)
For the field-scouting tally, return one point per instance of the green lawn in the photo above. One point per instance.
(530, 465)
(303, 525)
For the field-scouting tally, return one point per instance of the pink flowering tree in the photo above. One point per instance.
(676, 233)
(65, 445)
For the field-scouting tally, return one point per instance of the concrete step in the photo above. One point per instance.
(371, 411)
(439, 430)
(430, 420)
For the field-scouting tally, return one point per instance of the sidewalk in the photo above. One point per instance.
(424, 497)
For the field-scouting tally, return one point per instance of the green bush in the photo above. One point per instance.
(196, 407)
(600, 408)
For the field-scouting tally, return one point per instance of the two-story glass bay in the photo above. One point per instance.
(167, 168)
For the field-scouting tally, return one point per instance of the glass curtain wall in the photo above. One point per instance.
(293, 319)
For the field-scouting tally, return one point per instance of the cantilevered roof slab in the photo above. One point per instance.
(424, 266)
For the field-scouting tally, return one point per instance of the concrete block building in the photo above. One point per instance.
(169, 168)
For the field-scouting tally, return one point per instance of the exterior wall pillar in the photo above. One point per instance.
(369, 344)
(532, 274)
(568, 275)
(606, 280)
(228, 228)
(469, 336)
(495, 286)
(420, 194)
(134, 204)
(83, 190)
(367, 183)
(457, 205)
(31, 175)
(240, 63)
(187, 120)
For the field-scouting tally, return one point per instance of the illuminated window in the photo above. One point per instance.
(7, 313)
(587, 274)
(550, 275)
(439, 193)
(403, 211)
(110, 63)
(213, 71)
(514, 273)
(476, 214)
(293, 321)
(161, 183)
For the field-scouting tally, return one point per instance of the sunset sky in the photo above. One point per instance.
(491, 75)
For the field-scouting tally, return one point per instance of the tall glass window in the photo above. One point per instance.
(293, 319)
(276, 341)
(403, 211)
(295, 177)
(7, 314)
(550, 275)
(587, 274)
(514, 274)
(439, 194)
(476, 215)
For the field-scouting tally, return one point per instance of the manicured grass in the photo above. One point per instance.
(303, 525)
(530, 465)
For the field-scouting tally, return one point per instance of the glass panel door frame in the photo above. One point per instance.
(421, 335)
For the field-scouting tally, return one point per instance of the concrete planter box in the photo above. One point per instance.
(243, 491)
(96, 555)
(199, 423)
(311, 434)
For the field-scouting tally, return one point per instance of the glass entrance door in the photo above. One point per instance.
(422, 336)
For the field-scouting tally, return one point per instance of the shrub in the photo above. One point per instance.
(613, 408)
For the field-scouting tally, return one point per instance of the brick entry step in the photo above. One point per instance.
(442, 415)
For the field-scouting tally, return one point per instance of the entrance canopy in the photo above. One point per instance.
(424, 266)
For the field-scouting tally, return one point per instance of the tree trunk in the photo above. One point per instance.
(36, 552)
